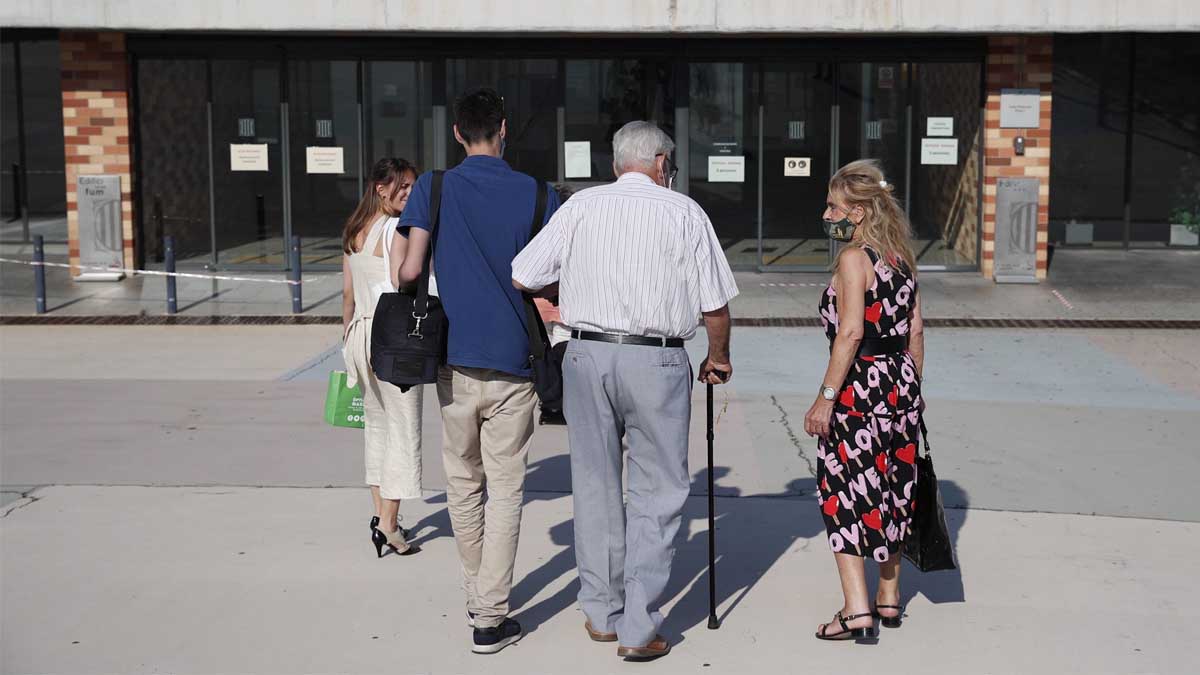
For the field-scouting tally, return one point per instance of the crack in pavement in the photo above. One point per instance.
(787, 426)
(26, 499)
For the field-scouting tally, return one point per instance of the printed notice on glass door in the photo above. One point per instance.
(324, 159)
(939, 151)
(726, 169)
(248, 157)
(578, 159)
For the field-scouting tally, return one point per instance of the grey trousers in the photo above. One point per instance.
(624, 551)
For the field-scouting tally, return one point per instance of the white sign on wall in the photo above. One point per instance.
(797, 166)
(726, 169)
(324, 159)
(1020, 108)
(939, 151)
(939, 126)
(248, 157)
(578, 156)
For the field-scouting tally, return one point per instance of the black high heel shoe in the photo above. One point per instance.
(890, 621)
(394, 540)
(403, 532)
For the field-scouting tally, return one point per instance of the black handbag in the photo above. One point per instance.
(409, 329)
(928, 544)
(547, 371)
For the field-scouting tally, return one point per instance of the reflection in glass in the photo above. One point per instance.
(249, 204)
(944, 207)
(323, 113)
(1089, 118)
(172, 98)
(722, 133)
(1166, 141)
(603, 95)
(873, 98)
(398, 111)
(530, 88)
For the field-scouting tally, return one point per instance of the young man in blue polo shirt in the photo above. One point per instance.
(485, 390)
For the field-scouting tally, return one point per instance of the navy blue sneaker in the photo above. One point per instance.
(492, 640)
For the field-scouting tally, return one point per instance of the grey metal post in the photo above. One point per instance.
(39, 274)
(294, 274)
(169, 266)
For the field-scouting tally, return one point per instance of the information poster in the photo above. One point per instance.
(100, 242)
(578, 159)
(939, 126)
(323, 159)
(939, 151)
(726, 169)
(248, 157)
(1016, 230)
(1020, 108)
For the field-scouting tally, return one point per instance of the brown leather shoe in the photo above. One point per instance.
(657, 647)
(597, 635)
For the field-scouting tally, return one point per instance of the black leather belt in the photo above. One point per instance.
(613, 338)
(880, 346)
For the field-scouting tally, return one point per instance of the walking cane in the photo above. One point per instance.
(713, 622)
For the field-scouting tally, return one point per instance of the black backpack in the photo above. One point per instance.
(409, 329)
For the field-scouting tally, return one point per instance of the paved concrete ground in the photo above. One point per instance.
(173, 503)
(1083, 284)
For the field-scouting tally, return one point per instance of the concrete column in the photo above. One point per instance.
(95, 98)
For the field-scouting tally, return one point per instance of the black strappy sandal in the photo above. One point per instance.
(848, 633)
(890, 621)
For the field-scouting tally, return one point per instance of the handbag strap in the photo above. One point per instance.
(534, 327)
(924, 433)
(435, 212)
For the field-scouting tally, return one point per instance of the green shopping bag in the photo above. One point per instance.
(343, 405)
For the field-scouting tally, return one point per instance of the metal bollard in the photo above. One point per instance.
(39, 274)
(169, 267)
(294, 276)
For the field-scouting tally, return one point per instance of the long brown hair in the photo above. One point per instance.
(387, 171)
(884, 227)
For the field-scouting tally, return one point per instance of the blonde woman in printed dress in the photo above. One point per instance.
(867, 411)
(393, 417)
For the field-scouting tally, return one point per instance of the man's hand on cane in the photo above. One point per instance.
(714, 371)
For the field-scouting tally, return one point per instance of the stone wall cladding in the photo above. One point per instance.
(1025, 62)
(95, 99)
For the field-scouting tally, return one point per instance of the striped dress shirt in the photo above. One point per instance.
(630, 257)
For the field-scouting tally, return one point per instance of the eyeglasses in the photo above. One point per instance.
(669, 169)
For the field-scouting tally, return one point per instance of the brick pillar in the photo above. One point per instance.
(1025, 62)
(95, 98)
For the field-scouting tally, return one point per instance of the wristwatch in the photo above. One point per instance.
(828, 393)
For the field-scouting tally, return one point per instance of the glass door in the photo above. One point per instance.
(248, 174)
(324, 163)
(723, 155)
(797, 144)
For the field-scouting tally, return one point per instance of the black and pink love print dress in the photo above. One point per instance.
(866, 470)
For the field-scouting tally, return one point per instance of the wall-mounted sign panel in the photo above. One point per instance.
(1016, 230)
(1020, 108)
(248, 157)
(98, 200)
(726, 169)
(324, 159)
(797, 166)
(939, 151)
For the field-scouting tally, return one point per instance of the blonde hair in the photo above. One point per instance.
(884, 227)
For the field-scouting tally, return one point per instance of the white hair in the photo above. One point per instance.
(637, 143)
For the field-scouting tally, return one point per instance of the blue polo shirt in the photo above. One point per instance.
(486, 212)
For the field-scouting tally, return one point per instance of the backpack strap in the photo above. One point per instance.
(435, 211)
(534, 327)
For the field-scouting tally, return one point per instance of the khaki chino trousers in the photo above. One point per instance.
(487, 421)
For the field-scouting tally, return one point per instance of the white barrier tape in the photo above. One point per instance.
(187, 275)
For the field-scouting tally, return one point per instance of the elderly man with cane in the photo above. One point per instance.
(637, 265)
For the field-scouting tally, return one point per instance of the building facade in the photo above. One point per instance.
(1006, 128)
